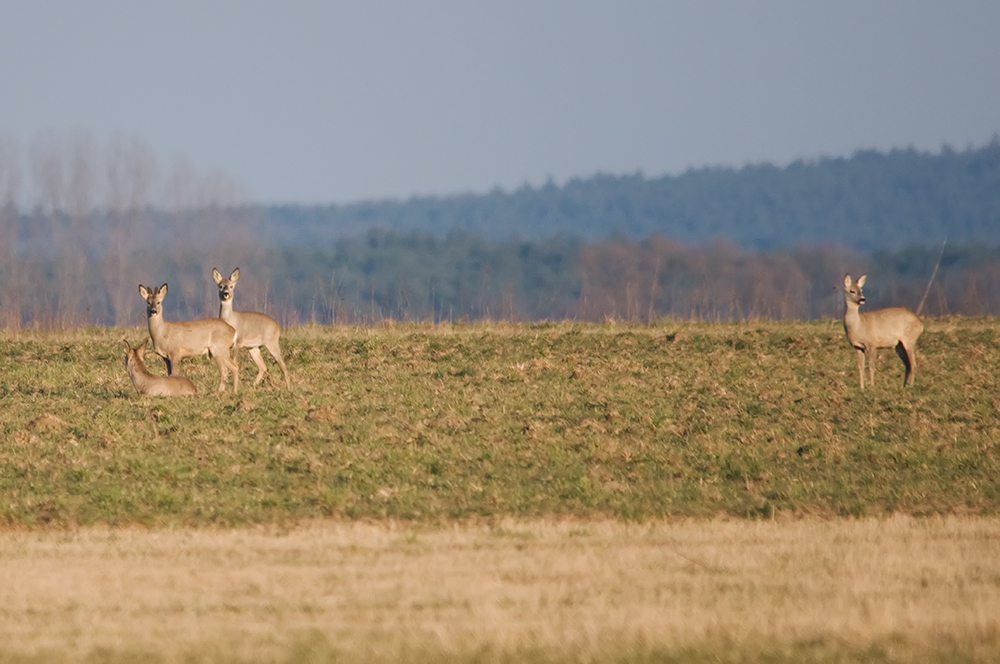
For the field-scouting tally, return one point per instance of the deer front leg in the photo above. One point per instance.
(870, 354)
(861, 367)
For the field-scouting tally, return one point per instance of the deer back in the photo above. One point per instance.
(147, 384)
(887, 327)
(253, 329)
(190, 338)
(876, 329)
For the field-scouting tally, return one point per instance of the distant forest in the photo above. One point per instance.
(870, 201)
(711, 244)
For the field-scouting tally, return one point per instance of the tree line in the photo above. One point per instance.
(416, 276)
(104, 219)
(420, 277)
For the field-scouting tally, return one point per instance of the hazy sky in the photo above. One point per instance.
(335, 102)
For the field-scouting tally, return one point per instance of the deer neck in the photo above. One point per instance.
(226, 309)
(157, 328)
(852, 317)
(139, 374)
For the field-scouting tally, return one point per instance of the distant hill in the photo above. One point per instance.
(869, 201)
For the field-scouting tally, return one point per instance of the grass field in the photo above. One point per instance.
(455, 430)
(834, 590)
(434, 423)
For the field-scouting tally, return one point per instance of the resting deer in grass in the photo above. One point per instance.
(149, 385)
(886, 328)
(253, 329)
(177, 341)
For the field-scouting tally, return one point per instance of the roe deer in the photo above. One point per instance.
(253, 329)
(177, 341)
(149, 385)
(886, 328)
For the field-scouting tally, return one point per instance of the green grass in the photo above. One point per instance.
(430, 423)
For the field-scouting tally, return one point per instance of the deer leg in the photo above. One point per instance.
(236, 371)
(870, 354)
(223, 373)
(909, 361)
(911, 352)
(225, 363)
(861, 367)
(275, 351)
(259, 361)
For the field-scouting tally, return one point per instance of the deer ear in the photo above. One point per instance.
(161, 291)
(861, 280)
(847, 281)
(235, 276)
(127, 346)
(216, 275)
(143, 292)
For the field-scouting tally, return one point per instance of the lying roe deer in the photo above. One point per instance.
(896, 328)
(253, 329)
(149, 385)
(177, 341)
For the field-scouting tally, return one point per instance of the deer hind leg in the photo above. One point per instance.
(259, 361)
(228, 361)
(909, 357)
(225, 363)
(275, 350)
(223, 372)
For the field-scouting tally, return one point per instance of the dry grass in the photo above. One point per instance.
(814, 590)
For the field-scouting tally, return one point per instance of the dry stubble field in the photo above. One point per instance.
(900, 589)
(554, 492)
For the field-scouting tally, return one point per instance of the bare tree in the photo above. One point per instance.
(79, 243)
(83, 173)
(225, 227)
(50, 230)
(48, 170)
(183, 242)
(11, 278)
(131, 176)
(179, 189)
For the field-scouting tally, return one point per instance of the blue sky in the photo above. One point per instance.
(336, 102)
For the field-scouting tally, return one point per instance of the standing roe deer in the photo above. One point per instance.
(896, 327)
(149, 385)
(177, 341)
(253, 329)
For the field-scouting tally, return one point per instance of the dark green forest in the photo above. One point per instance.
(869, 202)
(710, 244)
